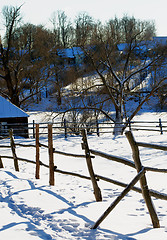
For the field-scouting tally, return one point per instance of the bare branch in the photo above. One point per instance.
(1, 76)
(86, 108)
(141, 69)
(94, 86)
(142, 102)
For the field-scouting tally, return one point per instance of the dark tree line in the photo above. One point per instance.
(121, 53)
(117, 53)
(27, 53)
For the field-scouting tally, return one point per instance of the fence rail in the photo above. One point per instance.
(74, 128)
(147, 193)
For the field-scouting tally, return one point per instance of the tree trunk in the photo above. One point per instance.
(118, 123)
(59, 99)
(13, 92)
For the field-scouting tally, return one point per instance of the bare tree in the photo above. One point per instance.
(83, 28)
(62, 29)
(10, 71)
(119, 56)
(25, 53)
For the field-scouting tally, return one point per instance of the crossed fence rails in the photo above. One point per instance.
(88, 155)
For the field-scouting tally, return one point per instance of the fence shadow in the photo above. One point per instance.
(88, 155)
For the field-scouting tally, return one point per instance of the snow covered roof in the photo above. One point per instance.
(9, 110)
(70, 52)
(160, 40)
(145, 45)
(122, 46)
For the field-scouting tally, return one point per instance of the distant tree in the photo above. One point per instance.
(120, 58)
(158, 71)
(62, 29)
(62, 73)
(25, 52)
(10, 69)
(40, 43)
(83, 28)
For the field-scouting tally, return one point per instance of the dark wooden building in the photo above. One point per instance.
(12, 117)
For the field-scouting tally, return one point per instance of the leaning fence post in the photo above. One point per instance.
(37, 151)
(51, 161)
(143, 180)
(85, 146)
(13, 148)
(160, 125)
(1, 163)
(118, 199)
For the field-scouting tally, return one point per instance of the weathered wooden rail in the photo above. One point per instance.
(67, 128)
(93, 176)
(94, 153)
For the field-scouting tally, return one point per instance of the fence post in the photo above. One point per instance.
(119, 198)
(1, 164)
(143, 180)
(129, 123)
(97, 127)
(160, 125)
(13, 147)
(65, 128)
(85, 146)
(37, 152)
(33, 128)
(51, 161)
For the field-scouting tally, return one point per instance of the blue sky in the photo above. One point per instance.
(39, 11)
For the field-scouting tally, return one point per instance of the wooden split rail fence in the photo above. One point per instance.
(67, 128)
(89, 154)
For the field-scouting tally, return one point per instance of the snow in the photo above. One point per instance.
(30, 209)
(70, 52)
(9, 110)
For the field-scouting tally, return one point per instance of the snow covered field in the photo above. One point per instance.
(30, 209)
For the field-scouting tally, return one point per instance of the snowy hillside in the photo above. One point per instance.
(30, 209)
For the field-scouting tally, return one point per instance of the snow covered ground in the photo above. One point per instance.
(30, 209)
